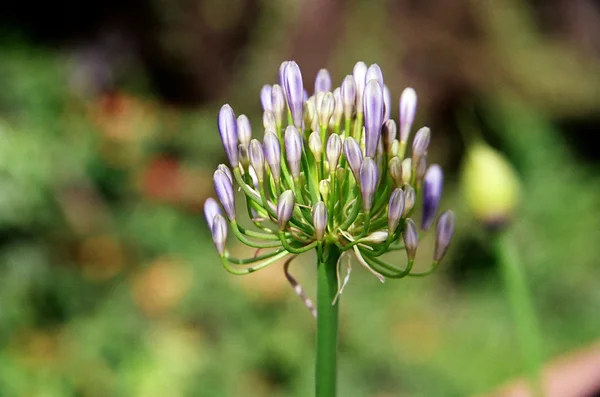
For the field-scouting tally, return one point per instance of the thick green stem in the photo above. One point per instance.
(522, 307)
(327, 325)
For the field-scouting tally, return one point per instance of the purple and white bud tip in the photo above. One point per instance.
(244, 129)
(278, 103)
(272, 153)
(257, 159)
(322, 81)
(348, 93)
(373, 108)
(432, 193)
(219, 233)
(293, 149)
(360, 80)
(387, 103)
(265, 98)
(408, 109)
(411, 238)
(294, 91)
(285, 209)
(211, 209)
(395, 209)
(368, 183)
(227, 125)
(374, 73)
(420, 144)
(319, 214)
(224, 189)
(333, 151)
(353, 156)
(443, 235)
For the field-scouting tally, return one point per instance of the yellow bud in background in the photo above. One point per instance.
(490, 184)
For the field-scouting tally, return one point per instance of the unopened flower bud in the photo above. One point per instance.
(387, 103)
(310, 113)
(322, 81)
(353, 156)
(211, 209)
(388, 135)
(368, 182)
(257, 159)
(315, 145)
(293, 150)
(420, 144)
(377, 237)
(326, 109)
(338, 110)
(219, 233)
(409, 200)
(294, 91)
(324, 189)
(406, 170)
(421, 168)
(243, 156)
(411, 238)
(265, 98)
(443, 235)
(348, 93)
(395, 170)
(269, 121)
(244, 129)
(408, 108)
(278, 103)
(285, 209)
(373, 108)
(226, 170)
(333, 151)
(224, 190)
(395, 209)
(229, 136)
(432, 193)
(319, 214)
(272, 152)
(374, 73)
(281, 73)
(360, 74)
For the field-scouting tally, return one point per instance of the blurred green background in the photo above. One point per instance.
(109, 281)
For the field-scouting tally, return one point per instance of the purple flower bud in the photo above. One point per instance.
(334, 151)
(265, 98)
(319, 214)
(368, 182)
(420, 144)
(322, 81)
(373, 101)
(224, 190)
(315, 145)
(411, 239)
(326, 108)
(294, 91)
(278, 103)
(211, 209)
(353, 156)
(432, 193)
(281, 73)
(272, 152)
(388, 134)
(338, 110)
(226, 170)
(257, 159)
(443, 235)
(395, 170)
(219, 233)
(360, 74)
(285, 208)
(348, 92)
(395, 209)
(421, 168)
(228, 129)
(269, 121)
(374, 73)
(293, 150)
(409, 200)
(387, 103)
(244, 129)
(408, 108)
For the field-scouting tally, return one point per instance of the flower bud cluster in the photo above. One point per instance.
(329, 170)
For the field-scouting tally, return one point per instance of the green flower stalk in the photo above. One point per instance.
(331, 175)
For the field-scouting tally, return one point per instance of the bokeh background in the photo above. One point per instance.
(109, 282)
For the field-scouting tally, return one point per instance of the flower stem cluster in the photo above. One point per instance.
(328, 170)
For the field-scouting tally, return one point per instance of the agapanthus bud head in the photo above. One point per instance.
(244, 129)
(211, 209)
(353, 156)
(269, 121)
(272, 152)
(265, 98)
(395, 170)
(224, 190)
(387, 103)
(324, 189)
(310, 112)
(322, 81)
(326, 109)
(368, 182)
(406, 170)
(294, 91)
(490, 185)
(360, 75)
(388, 135)
(420, 144)
(219, 233)
(338, 110)
(229, 135)
(395, 209)
(278, 103)
(319, 213)
(411, 238)
(226, 170)
(333, 151)
(348, 92)
(374, 73)
(293, 149)
(373, 108)
(409, 200)
(408, 109)
(285, 209)
(257, 159)
(315, 145)
(432, 193)
(443, 235)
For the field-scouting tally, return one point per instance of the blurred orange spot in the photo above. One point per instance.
(102, 257)
(161, 180)
(161, 286)
(36, 348)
